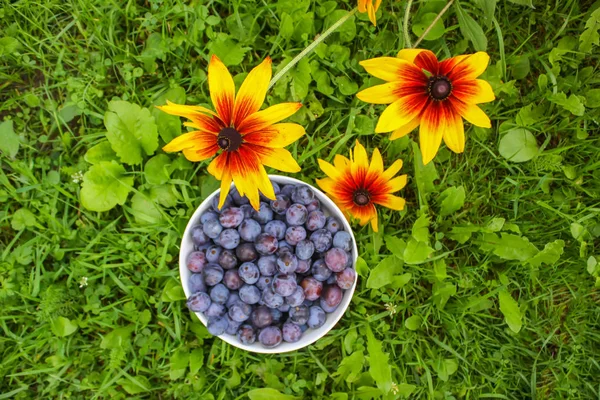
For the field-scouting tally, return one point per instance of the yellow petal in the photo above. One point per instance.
(362, 6)
(454, 135)
(195, 155)
(218, 166)
(329, 169)
(327, 184)
(279, 159)
(397, 183)
(375, 223)
(405, 129)
(386, 68)
(264, 184)
(392, 170)
(392, 202)
(269, 116)
(361, 158)
(475, 115)
(470, 67)
(252, 92)
(409, 54)
(222, 89)
(340, 162)
(372, 10)
(181, 142)
(486, 93)
(276, 136)
(401, 112)
(435, 121)
(380, 94)
(376, 166)
(181, 110)
(225, 187)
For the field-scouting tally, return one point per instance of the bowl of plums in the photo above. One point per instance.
(273, 280)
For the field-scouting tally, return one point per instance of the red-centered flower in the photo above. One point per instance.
(370, 7)
(356, 185)
(435, 95)
(244, 138)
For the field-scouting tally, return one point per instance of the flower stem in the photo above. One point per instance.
(311, 47)
(435, 20)
(405, 28)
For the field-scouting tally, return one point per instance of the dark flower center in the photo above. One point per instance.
(229, 139)
(439, 87)
(361, 197)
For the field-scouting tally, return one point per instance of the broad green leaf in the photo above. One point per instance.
(452, 200)
(592, 265)
(131, 131)
(178, 364)
(104, 186)
(573, 103)
(100, 152)
(442, 293)
(416, 252)
(351, 367)
(439, 269)
(301, 79)
(549, 255)
(425, 175)
(228, 50)
(368, 393)
(406, 389)
(420, 229)
(513, 247)
(398, 281)
(518, 145)
(413, 323)
(135, 384)
(382, 274)
(436, 32)
(496, 224)
(172, 291)
(347, 31)
(9, 141)
(579, 232)
(8, 45)
(346, 86)
(286, 26)
(156, 171)
(118, 338)
(590, 37)
(269, 394)
(489, 9)
(234, 380)
(592, 97)
(165, 195)
(62, 326)
(520, 66)
(471, 29)
(196, 360)
(378, 363)
(362, 268)
(510, 310)
(169, 126)
(338, 396)
(445, 368)
(395, 246)
(22, 218)
(145, 210)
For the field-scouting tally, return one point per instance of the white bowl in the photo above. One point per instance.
(311, 335)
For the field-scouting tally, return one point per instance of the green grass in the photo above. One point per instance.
(128, 332)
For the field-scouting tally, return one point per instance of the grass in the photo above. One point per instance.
(125, 332)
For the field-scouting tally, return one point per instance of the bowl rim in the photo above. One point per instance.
(333, 318)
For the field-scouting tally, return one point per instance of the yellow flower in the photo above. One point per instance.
(435, 95)
(367, 6)
(356, 186)
(245, 139)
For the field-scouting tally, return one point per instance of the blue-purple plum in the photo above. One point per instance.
(303, 194)
(261, 317)
(280, 204)
(299, 314)
(249, 230)
(198, 236)
(217, 325)
(320, 271)
(213, 253)
(232, 279)
(270, 336)
(246, 252)
(196, 261)
(229, 239)
(266, 244)
(296, 215)
(336, 259)
(246, 334)
(291, 332)
(249, 294)
(199, 302)
(295, 234)
(249, 273)
(333, 225)
(312, 288)
(345, 279)
(267, 265)
(276, 229)
(322, 239)
(196, 283)
(213, 274)
(284, 284)
(264, 213)
(227, 259)
(342, 240)
(219, 293)
(305, 249)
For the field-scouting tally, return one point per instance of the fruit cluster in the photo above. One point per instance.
(269, 274)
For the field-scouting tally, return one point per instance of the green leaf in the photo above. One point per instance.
(592, 265)
(178, 364)
(442, 293)
(228, 50)
(592, 98)
(378, 363)
(489, 9)
(104, 186)
(9, 141)
(362, 268)
(8, 45)
(549, 255)
(286, 26)
(351, 367)
(145, 210)
(510, 310)
(513, 247)
(22, 218)
(156, 171)
(100, 152)
(425, 175)
(368, 393)
(169, 126)
(118, 338)
(131, 131)
(165, 195)
(395, 246)
(196, 360)
(301, 79)
(382, 274)
(172, 291)
(135, 384)
(436, 32)
(406, 389)
(589, 37)
(445, 368)
(471, 29)
(413, 323)
(523, 2)
(452, 199)
(420, 229)
(439, 269)
(347, 31)
(573, 103)
(398, 281)
(520, 66)
(518, 145)
(62, 326)
(269, 394)
(346, 86)
(417, 252)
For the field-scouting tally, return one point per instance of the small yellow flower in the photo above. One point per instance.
(391, 308)
(370, 7)
(435, 95)
(243, 139)
(395, 388)
(356, 186)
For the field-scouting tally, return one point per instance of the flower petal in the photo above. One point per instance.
(195, 155)
(252, 92)
(327, 185)
(219, 165)
(473, 114)
(405, 129)
(470, 67)
(245, 170)
(390, 201)
(428, 61)
(375, 223)
(401, 112)
(276, 136)
(269, 116)
(372, 10)
(364, 214)
(184, 111)
(448, 64)
(397, 183)
(340, 162)
(376, 166)
(362, 6)
(329, 169)
(473, 91)
(195, 139)
(409, 54)
(434, 122)
(264, 183)
(392, 170)
(279, 159)
(222, 89)
(380, 94)
(225, 187)
(360, 163)
(389, 68)
(454, 135)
